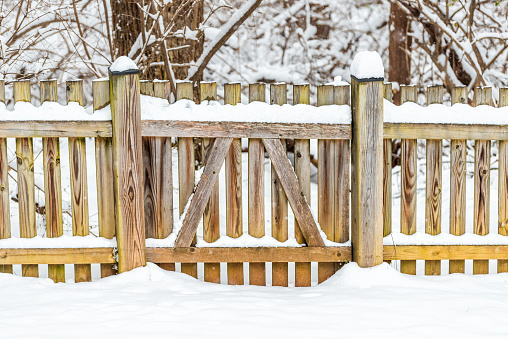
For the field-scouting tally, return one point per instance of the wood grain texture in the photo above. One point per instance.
(458, 171)
(205, 186)
(279, 201)
(79, 185)
(434, 182)
(52, 182)
(146, 87)
(326, 182)
(444, 131)
(211, 217)
(5, 215)
(257, 255)
(408, 177)
(186, 167)
(2, 91)
(502, 265)
(481, 220)
(128, 171)
(446, 252)
(256, 191)
(234, 223)
(162, 89)
(301, 95)
(26, 188)
(104, 175)
(367, 173)
(56, 256)
(296, 197)
(387, 173)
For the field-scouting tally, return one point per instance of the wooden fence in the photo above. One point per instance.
(134, 183)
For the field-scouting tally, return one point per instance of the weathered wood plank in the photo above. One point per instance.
(256, 191)
(37, 129)
(258, 255)
(234, 223)
(408, 177)
(186, 166)
(445, 252)
(5, 214)
(326, 183)
(26, 187)
(367, 172)
(458, 153)
(434, 182)
(301, 95)
(279, 205)
(387, 173)
(295, 195)
(502, 265)
(56, 256)
(444, 131)
(211, 217)
(104, 175)
(128, 170)
(52, 182)
(482, 96)
(79, 186)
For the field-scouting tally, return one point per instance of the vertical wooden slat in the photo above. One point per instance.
(186, 167)
(301, 95)
(79, 188)
(387, 173)
(408, 186)
(104, 174)
(342, 168)
(211, 218)
(482, 96)
(146, 87)
(128, 168)
(256, 200)
(326, 183)
(434, 183)
(502, 265)
(26, 187)
(458, 153)
(234, 224)
(161, 177)
(278, 96)
(52, 182)
(5, 218)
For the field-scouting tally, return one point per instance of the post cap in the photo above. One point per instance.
(367, 66)
(123, 66)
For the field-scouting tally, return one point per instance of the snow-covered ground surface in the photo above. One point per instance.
(355, 303)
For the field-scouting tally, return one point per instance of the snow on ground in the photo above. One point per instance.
(355, 303)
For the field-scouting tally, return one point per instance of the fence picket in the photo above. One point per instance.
(301, 95)
(211, 218)
(256, 177)
(408, 186)
(79, 188)
(326, 182)
(186, 168)
(458, 153)
(278, 96)
(26, 187)
(234, 224)
(387, 173)
(434, 182)
(502, 265)
(104, 174)
(52, 182)
(5, 215)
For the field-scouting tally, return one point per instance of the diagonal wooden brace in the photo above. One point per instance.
(293, 191)
(197, 206)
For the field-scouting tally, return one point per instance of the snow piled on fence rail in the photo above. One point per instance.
(356, 302)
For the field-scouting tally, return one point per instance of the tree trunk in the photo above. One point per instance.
(399, 49)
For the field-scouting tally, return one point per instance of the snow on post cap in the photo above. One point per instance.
(367, 66)
(123, 65)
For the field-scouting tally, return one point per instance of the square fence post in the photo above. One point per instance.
(367, 168)
(127, 164)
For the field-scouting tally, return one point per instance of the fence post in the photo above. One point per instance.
(127, 163)
(367, 163)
